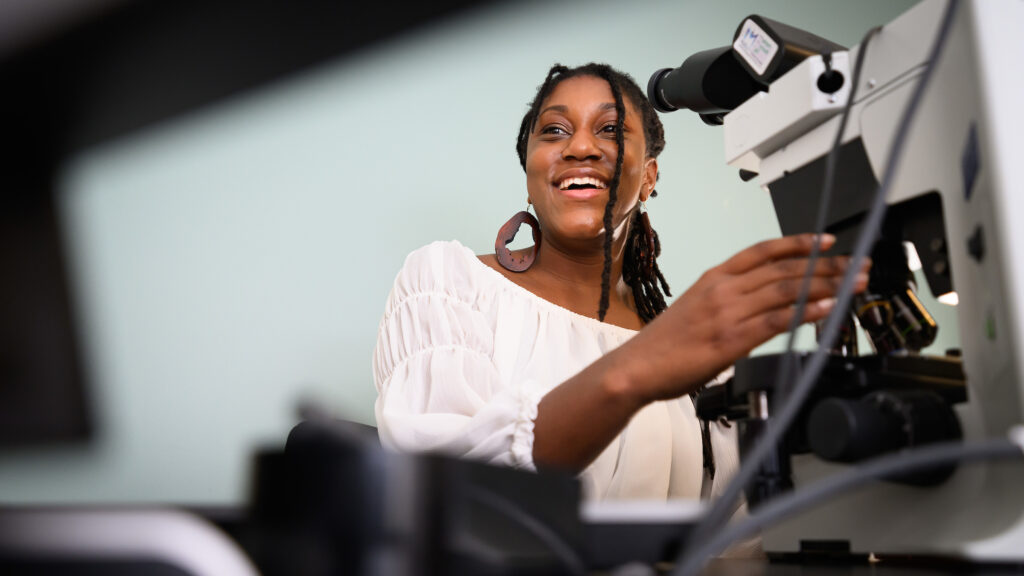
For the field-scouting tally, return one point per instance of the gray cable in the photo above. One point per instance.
(777, 424)
(778, 509)
(784, 372)
(719, 514)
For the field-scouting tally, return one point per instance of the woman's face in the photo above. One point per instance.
(570, 161)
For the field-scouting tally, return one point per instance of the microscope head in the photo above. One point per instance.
(891, 315)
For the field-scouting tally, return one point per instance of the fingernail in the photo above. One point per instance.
(862, 278)
(826, 303)
(826, 239)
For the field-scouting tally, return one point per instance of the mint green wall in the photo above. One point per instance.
(235, 261)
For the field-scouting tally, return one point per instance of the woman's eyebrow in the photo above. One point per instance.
(564, 109)
(555, 108)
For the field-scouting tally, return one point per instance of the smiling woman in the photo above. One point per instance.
(576, 156)
(522, 369)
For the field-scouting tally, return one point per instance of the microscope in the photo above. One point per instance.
(779, 93)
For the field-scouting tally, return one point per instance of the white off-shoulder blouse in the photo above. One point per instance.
(464, 356)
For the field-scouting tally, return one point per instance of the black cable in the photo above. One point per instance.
(565, 553)
(778, 509)
(776, 425)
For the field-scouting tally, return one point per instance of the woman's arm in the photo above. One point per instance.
(729, 311)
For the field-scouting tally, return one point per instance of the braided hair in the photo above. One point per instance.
(640, 267)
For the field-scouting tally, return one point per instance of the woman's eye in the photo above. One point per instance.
(610, 129)
(555, 130)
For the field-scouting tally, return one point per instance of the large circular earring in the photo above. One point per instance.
(507, 233)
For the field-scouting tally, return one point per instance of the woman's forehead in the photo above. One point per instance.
(572, 91)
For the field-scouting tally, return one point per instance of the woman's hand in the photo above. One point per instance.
(729, 311)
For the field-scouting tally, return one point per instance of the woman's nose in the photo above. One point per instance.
(582, 145)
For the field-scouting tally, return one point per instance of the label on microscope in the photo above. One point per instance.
(755, 46)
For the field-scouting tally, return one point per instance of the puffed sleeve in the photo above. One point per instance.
(438, 389)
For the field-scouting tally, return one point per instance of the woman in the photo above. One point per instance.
(565, 354)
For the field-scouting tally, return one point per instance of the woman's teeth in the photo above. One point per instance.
(586, 182)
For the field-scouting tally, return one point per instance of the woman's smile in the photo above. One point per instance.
(570, 161)
(582, 184)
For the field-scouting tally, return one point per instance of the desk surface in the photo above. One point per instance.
(894, 567)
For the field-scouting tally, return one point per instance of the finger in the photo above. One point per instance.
(785, 293)
(788, 268)
(758, 329)
(775, 249)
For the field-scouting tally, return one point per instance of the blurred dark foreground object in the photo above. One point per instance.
(333, 501)
(77, 74)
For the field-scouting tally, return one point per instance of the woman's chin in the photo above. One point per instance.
(582, 232)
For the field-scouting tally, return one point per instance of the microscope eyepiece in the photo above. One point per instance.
(654, 92)
(711, 83)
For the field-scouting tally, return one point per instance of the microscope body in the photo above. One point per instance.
(956, 198)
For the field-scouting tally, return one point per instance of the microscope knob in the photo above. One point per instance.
(841, 430)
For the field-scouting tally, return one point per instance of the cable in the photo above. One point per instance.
(778, 509)
(777, 424)
(719, 515)
(545, 534)
(785, 369)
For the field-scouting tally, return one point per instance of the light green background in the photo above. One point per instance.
(235, 261)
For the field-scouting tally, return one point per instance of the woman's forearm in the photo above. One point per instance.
(579, 418)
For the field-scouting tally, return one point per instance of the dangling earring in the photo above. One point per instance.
(507, 233)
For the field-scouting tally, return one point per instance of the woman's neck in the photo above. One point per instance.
(577, 270)
(572, 279)
(570, 276)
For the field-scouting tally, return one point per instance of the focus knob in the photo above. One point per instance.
(841, 430)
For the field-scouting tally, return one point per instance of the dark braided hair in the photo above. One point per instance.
(640, 268)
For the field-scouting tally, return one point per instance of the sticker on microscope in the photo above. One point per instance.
(755, 46)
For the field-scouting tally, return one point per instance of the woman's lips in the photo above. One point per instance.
(580, 193)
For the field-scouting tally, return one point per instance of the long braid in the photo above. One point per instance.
(613, 189)
(640, 269)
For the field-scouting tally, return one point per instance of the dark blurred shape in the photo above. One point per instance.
(335, 502)
(27, 23)
(78, 74)
(135, 63)
(43, 397)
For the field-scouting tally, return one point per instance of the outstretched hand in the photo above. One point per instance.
(733, 308)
